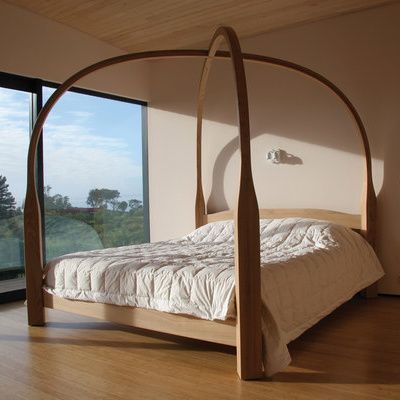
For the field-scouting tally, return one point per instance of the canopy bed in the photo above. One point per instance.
(207, 285)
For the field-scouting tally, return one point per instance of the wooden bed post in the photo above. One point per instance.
(33, 262)
(247, 224)
(200, 207)
(33, 249)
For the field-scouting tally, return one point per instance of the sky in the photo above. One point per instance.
(89, 142)
(14, 139)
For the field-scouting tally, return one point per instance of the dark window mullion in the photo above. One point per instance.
(36, 106)
(145, 175)
(16, 82)
(95, 93)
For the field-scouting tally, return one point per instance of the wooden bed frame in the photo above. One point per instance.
(245, 331)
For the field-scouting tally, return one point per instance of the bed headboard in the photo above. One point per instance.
(364, 222)
(352, 221)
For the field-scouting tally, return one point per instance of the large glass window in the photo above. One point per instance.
(14, 139)
(93, 170)
(93, 174)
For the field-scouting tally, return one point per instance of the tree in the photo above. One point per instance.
(114, 203)
(122, 206)
(102, 198)
(135, 204)
(56, 202)
(95, 198)
(7, 200)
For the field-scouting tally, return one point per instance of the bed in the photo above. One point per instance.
(250, 278)
(308, 268)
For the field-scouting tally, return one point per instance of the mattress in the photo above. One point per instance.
(308, 268)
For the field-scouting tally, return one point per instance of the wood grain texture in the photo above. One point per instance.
(33, 250)
(353, 354)
(247, 229)
(223, 332)
(160, 24)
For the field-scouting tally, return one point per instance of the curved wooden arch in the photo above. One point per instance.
(365, 222)
(247, 219)
(32, 212)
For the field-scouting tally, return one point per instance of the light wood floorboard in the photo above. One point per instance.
(352, 354)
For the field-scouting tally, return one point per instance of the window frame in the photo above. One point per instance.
(35, 86)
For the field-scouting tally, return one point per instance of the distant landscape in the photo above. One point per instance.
(106, 222)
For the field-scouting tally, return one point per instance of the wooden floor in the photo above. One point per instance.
(352, 354)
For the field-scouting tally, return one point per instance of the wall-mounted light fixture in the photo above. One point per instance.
(274, 156)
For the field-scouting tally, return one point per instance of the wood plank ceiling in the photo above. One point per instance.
(136, 25)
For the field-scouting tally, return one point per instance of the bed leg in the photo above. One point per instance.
(33, 251)
(248, 297)
(249, 359)
(35, 316)
(34, 296)
(34, 283)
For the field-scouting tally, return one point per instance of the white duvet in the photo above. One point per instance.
(309, 268)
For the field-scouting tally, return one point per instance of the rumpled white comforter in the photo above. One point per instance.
(309, 268)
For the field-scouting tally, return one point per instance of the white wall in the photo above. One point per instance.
(37, 47)
(358, 52)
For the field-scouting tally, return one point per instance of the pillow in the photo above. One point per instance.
(220, 231)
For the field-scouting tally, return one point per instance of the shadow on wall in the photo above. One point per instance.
(280, 101)
(282, 104)
(388, 238)
(217, 199)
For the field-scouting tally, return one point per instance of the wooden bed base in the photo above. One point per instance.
(245, 331)
(223, 332)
